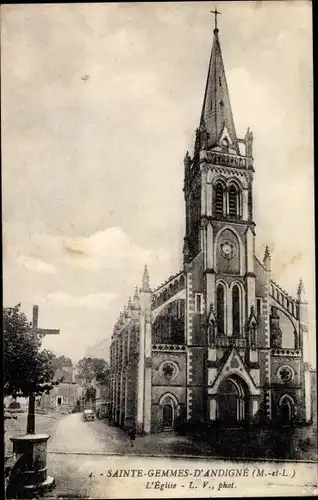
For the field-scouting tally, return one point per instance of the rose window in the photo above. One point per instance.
(169, 370)
(285, 373)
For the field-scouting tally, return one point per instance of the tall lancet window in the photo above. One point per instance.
(233, 201)
(219, 199)
(220, 309)
(236, 311)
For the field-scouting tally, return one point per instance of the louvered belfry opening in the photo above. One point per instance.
(233, 212)
(219, 199)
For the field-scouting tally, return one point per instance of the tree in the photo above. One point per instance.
(61, 362)
(27, 369)
(92, 367)
(90, 394)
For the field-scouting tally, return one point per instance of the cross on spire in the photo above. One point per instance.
(216, 14)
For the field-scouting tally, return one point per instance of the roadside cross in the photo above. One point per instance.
(41, 332)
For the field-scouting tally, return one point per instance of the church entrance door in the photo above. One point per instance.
(167, 417)
(233, 402)
(286, 411)
(168, 405)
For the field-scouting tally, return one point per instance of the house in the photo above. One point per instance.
(65, 396)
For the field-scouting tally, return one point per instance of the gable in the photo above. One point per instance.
(225, 135)
(234, 366)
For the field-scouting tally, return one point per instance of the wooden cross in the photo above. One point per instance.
(216, 13)
(41, 332)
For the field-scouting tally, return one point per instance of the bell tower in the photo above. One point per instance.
(219, 244)
(218, 189)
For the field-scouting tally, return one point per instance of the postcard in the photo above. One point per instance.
(158, 226)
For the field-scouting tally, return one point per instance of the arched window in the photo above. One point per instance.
(220, 309)
(219, 201)
(236, 311)
(233, 201)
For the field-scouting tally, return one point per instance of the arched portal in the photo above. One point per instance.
(169, 411)
(286, 406)
(233, 401)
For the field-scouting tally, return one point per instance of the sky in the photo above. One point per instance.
(99, 105)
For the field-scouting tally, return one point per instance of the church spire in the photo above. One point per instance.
(301, 292)
(145, 280)
(267, 259)
(216, 113)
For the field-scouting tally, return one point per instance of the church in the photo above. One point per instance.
(219, 341)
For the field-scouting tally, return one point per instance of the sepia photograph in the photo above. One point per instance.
(159, 333)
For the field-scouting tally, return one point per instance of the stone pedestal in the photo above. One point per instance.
(34, 448)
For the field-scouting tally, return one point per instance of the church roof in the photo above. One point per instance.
(216, 110)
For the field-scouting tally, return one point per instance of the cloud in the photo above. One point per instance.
(36, 265)
(250, 101)
(110, 249)
(90, 301)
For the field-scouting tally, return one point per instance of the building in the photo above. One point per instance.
(19, 402)
(65, 396)
(102, 397)
(219, 341)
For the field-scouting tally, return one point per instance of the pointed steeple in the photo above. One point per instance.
(125, 312)
(301, 292)
(145, 281)
(267, 259)
(187, 163)
(186, 250)
(136, 302)
(121, 319)
(216, 110)
(129, 306)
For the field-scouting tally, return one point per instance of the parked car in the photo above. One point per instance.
(88, 415)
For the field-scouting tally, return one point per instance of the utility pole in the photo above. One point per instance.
(42, 332)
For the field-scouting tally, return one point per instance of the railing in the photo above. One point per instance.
(295, 353)
(230, 342)
(284, 300)
(168, 347)
(168, 289)
(229, 160)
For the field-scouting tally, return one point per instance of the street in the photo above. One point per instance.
(80, 454)
(71, 434)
